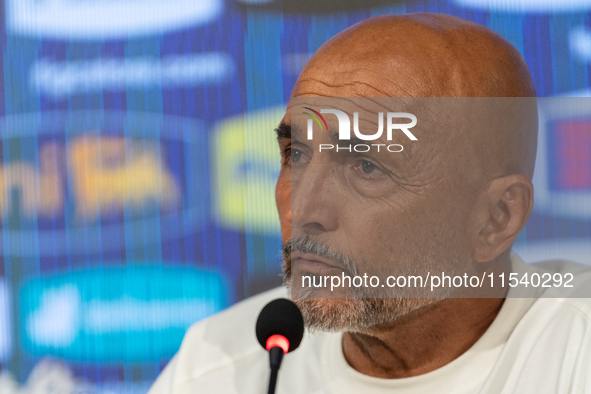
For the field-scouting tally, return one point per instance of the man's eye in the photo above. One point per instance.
(367, 167)
(296, 155)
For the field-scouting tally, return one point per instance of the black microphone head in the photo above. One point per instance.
(280, 317)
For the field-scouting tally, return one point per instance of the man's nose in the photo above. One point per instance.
(314, 199)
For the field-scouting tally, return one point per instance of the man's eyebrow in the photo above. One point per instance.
(283, 130)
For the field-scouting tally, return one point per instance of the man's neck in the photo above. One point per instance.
(424, 342)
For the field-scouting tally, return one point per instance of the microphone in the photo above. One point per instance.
(279, 329)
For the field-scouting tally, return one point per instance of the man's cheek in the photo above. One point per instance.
(283, 199)
(285, 232)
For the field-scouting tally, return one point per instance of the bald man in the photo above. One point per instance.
(454, 198)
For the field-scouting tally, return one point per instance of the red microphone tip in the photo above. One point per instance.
(278, 341)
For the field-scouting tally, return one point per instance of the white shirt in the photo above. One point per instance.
(534, 345)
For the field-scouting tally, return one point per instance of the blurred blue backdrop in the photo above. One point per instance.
(139, 162)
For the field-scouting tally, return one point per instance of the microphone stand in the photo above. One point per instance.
(275, 358)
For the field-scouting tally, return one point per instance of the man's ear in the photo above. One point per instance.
(505, 209)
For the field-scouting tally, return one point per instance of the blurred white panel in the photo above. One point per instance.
(45, 328)
(577, 93)
(527, 5)
(64, 78)
(579, 40)
(5, 334)
(92, 19)
(577, 250)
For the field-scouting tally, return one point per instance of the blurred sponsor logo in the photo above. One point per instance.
(246, 165)
(5, 327)
(562, 177)
(63, 78)
(92, 19)
(527, 5)
(103, 178)
(132, 314)
(94, 172)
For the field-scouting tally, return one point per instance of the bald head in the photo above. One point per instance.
(437, 55)
(417, 55)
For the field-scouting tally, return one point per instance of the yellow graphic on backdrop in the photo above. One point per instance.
(246, 164)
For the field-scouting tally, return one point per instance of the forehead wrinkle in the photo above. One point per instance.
(324, 86)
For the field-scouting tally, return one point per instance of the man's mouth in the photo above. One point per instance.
(307, 262)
